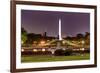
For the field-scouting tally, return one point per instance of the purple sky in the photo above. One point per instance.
(48, 21)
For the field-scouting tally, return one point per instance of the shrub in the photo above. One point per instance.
(36, 53)
(59, 52)
(68, 52)
(27, 53)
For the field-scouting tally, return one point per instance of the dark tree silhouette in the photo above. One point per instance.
(80, 36)
(23, 35)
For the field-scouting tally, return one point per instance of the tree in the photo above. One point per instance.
(68, 38)
(80, 36)
(33, 37)
(87, 38)
(87, 34)
(23, 35)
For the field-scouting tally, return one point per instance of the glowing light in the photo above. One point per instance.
(82, 49)
(64, 42)
(22, 50)
(83, 42)
(35, 50)
(43, 49)
(42, 42)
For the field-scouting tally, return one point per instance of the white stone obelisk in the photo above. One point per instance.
(60, 38)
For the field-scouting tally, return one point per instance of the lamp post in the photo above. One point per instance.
(82, 49)
(83, 42)
(22, 50)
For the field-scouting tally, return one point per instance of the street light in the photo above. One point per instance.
(43, 50)
(83, 42)
(64, 42)
(35, 50)
(22, 50)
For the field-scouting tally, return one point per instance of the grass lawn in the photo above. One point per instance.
(53, 58)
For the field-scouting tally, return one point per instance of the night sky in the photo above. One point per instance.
(48, 21)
